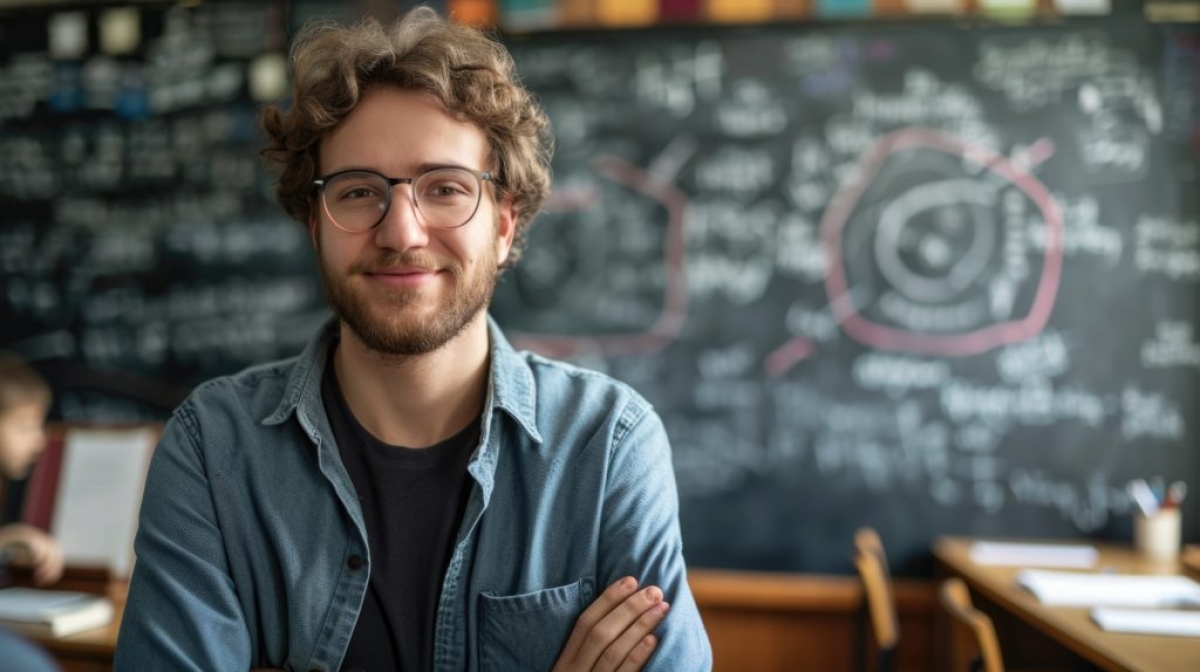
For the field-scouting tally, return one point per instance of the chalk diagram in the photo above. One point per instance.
(929, 249)
(634, 301)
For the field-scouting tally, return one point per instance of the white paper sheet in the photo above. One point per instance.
(1078, 589)
(1075, 556)
(99, 493)
(1148, 621)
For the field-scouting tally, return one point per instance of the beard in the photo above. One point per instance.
(377, 315)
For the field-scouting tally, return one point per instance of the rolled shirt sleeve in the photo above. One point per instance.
(642, 539)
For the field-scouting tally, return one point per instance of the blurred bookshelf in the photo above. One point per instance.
(519, 16)
(529, 16)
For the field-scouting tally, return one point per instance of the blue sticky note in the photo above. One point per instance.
(527, 14)
(133, 103)
(66, 93)
(843, 8)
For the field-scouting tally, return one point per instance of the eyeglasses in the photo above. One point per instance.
(443, 198)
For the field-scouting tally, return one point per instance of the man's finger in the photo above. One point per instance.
(612, 596)
(640, 655)
(609, 628)
(618, 653)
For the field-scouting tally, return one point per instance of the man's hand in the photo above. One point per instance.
(28, 545)
(613, 633)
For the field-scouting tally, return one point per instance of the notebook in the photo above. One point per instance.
(52, 613)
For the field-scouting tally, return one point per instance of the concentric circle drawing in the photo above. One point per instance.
(932, 242)
(941, 247)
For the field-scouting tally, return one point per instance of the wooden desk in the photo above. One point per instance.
(1073, 627)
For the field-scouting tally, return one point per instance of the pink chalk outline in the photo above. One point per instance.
(788, 355)
(958, 345)
(670, 321)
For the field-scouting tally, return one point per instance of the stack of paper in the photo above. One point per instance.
(1074, 589)
(1033, 555)
(1148, 621)
(52, 613)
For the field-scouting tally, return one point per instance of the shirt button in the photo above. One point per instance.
(354, 561)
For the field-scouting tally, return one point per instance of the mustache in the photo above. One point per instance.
(389, 260)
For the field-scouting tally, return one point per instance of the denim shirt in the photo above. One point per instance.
(251, 549)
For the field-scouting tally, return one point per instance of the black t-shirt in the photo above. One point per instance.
(412, 503)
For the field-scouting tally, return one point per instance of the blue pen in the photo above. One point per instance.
(1159, 488)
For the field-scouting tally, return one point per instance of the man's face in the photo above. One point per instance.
(402, 287)
(22, 438)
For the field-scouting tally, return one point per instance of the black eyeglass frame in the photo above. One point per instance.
(320, 183)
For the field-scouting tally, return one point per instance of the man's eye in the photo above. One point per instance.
(358, 192)
(447, 190)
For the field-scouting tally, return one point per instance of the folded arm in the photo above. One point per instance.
(641, 538)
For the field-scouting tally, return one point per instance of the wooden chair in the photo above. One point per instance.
(956, 599)
(871, 563)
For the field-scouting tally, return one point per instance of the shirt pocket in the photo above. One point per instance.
(528, 631)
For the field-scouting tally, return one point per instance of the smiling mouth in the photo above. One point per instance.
(401, 272)
(403, 277)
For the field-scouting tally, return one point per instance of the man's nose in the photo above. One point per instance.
(402, 227)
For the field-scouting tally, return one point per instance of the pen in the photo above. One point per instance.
(1158, 489)
(1143, 496)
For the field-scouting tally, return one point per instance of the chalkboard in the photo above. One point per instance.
(928, 278)
(141, 250)
(932, 279)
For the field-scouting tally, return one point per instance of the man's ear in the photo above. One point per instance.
(312, 227)
(506, 228)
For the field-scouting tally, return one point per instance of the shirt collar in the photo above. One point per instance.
(304, 381)
(511, 386)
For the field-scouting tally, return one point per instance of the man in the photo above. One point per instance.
(410, 493)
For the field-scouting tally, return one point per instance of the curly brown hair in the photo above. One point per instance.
(21, 384)
(472, 75)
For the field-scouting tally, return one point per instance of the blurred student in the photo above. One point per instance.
(24, 402)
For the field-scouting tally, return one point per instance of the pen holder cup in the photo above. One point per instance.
(1157, 536)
